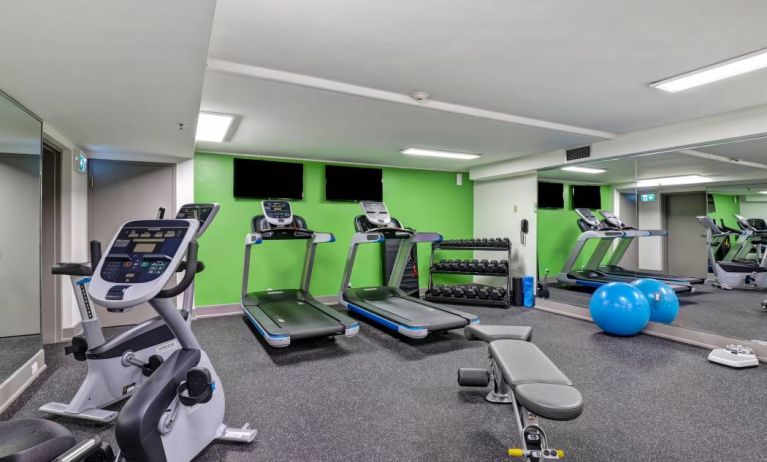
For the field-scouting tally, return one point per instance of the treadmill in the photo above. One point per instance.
(590, 275)
(280, 316)
(611, 267)
(389, 306)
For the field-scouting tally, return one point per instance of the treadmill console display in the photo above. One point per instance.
(588, 217)
(277, 213)
(376, 213)
(204, 213)
(758, 223)
(142, 252)
(612, 220)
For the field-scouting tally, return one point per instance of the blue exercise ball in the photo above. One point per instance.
(664, 304)
(620, 309)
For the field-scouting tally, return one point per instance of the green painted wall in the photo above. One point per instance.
(726, 206)
(425, 200)
(558, 230)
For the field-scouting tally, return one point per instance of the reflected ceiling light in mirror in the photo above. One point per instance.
(709, 74)
(437, 153)
(214, 127)
(672, 181)
(590, 170)
(762, 192)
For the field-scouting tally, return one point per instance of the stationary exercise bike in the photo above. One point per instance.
(118, 366)
(179, 409)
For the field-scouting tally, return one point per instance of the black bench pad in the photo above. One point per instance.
(489, 333)
(536, 381)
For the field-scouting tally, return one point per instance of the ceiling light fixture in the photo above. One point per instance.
(672, 181)
(436, 153)
(590, 170)
(214, 127)
(762, 192)
(720, 71)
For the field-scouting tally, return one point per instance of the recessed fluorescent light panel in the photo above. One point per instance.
(672, 181)
(762, 192)
(590, 170)
(724, 70)
(436, 153)
(214, 127)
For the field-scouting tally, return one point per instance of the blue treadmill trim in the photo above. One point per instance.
(390, 324)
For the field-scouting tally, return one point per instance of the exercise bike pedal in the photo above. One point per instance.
(78, 348)
(198, 387)
(152, 364)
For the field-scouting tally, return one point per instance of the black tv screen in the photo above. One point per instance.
(586, 197)
(551, 195)
(265, 179)
(353, 183)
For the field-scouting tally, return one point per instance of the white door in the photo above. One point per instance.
(123, 191)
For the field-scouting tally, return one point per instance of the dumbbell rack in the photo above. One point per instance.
(505, 302)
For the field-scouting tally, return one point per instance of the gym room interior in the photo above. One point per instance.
(335, 230)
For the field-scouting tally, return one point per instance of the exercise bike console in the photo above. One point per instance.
(135, 267)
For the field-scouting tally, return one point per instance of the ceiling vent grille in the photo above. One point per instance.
(578, 153)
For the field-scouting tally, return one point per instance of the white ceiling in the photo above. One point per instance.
(750, 150)
(587, 62)
(287, 120)
(116, 77)
(113, 76)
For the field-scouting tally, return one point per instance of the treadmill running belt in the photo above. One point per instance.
(416, 314)
(301, 319)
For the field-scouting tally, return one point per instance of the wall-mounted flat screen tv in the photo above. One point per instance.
(264, 179)
(586, 197)
(551, 195)
(353, 183)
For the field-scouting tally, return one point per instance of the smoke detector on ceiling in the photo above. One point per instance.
(420, 95)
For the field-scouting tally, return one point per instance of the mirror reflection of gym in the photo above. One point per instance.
(705, 211)
(20, 153)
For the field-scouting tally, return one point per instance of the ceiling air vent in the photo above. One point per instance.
(578, 153)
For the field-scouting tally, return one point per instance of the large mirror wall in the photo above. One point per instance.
(20, 153)
(700, 217)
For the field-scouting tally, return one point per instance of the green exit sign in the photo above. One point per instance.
(647, 197)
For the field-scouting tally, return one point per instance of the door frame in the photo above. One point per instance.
(51, 320)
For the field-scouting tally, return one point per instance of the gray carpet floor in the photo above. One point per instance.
(379, 398)
(15, 351)
(732, 313)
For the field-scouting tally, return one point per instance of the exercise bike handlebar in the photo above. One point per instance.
(95, 254)
(189, 273)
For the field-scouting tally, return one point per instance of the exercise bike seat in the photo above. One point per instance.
(33, 440)
(72, 269)
(537, 383)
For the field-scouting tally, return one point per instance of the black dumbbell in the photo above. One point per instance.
(482, 266)
(492, 266)
(483, 293)
(454, 265)
(463, 265)
(503, 266)
(471, 292)
(447, 291)
(506, 243)
(436, 291)
(473, 266)
(459, 292)
(497, 293)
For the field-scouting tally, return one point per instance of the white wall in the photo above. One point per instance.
(20, 246)
(499, 207)
(650, 216)
(753, 207)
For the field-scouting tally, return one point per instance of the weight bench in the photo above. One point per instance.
(523, 376)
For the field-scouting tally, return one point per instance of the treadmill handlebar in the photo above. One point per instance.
(297, 233)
